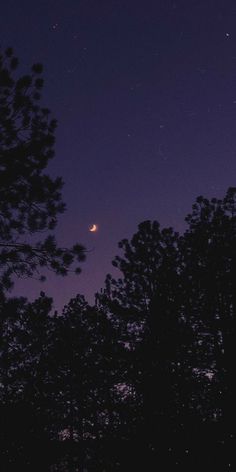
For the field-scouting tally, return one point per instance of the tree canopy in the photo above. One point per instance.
(145, 378)
(30, 200)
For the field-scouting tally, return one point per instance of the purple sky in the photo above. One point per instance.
(145, 96)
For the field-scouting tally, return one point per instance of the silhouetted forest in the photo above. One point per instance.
(142, 380)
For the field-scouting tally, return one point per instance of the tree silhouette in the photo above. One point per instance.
(144, 304)
(145, 378)
(24, 374)
(160, 305)
(86, 373)
(57, 371)
(30, 200)
(211, 259)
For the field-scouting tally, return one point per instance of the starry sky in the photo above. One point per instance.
(145, 96)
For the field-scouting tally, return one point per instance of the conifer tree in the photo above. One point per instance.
(30, 200)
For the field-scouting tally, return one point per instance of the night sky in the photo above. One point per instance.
(145, 96)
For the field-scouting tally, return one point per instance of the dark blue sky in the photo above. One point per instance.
(145, 96)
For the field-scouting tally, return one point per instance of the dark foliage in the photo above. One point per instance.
(30, 200)
(142, 380)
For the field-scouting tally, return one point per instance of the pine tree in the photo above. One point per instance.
(30, 200)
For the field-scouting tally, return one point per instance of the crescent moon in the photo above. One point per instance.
(93, 228)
